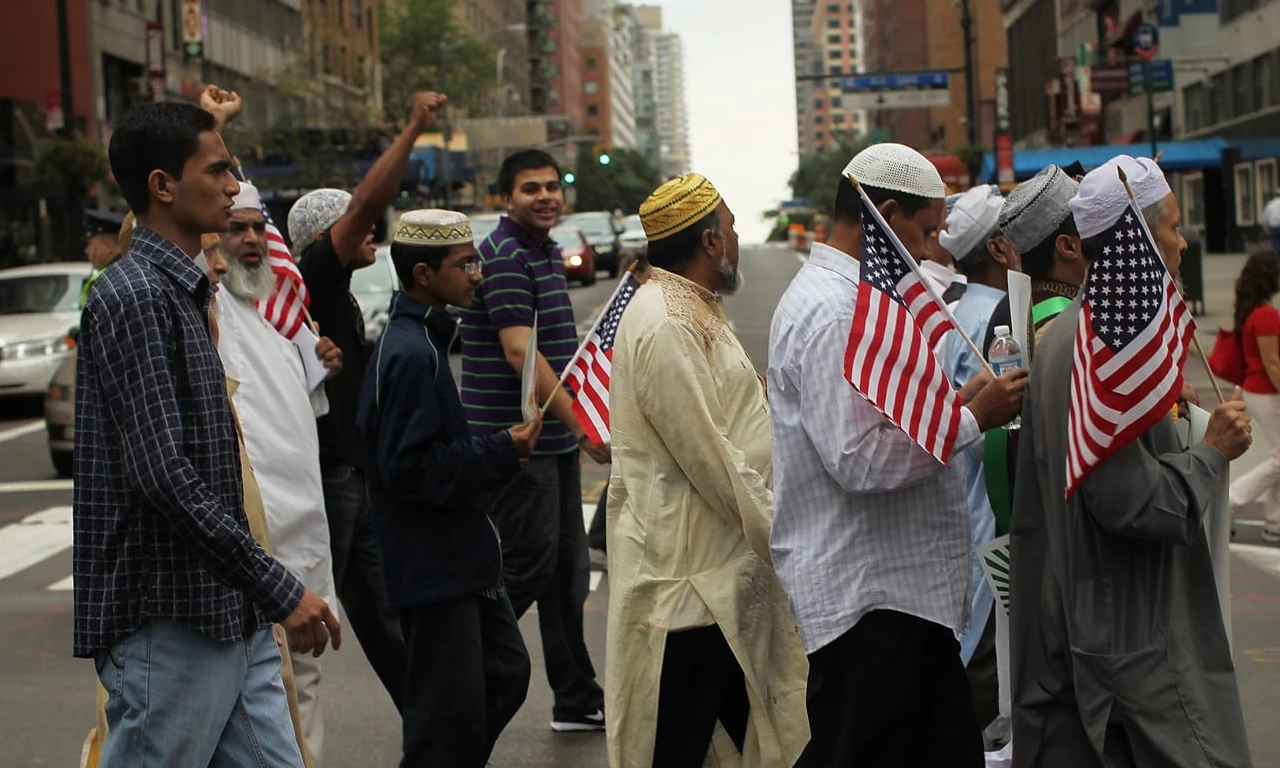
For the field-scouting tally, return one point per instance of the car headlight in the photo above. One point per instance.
(23, 350)
(575, 261)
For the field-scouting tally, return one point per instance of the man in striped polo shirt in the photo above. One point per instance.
(539, 513)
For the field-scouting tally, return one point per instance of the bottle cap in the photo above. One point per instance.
(1002, 330)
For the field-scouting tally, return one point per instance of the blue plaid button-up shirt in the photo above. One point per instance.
(159, 523)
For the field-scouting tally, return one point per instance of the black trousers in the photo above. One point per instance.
(468, 675)
(595, 534)
(891, 693)
(701, 684)
(357, 574)
(983, 674)
(544, 560)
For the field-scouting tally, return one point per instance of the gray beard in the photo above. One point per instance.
(249, 283)
(731, 279)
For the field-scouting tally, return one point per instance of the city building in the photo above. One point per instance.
(340, 41)
(555, 61)
(808, 64)
(897, 40)
(950, 124)
(643, 72)
(608, 91)
(835, 44)
(671, 115)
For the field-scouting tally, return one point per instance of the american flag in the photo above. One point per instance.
(889, 359)
(588, 372)
(286, 308)
(1130, 342)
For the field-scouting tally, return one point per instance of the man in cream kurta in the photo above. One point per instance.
(277, 411)
(703, 655)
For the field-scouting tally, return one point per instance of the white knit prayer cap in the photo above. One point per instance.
(971, 221)
(314, 213)
(898, 168)
(1102, 196)
(248, 199)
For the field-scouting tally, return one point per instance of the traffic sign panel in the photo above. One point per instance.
(1146, 42)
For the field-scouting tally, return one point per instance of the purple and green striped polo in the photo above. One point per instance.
(521, 276)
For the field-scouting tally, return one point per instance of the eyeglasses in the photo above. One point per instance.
(241, 227)
(472, 268)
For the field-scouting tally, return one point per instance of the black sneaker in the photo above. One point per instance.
(573, 723)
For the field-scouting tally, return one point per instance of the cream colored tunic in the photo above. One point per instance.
(689, 512)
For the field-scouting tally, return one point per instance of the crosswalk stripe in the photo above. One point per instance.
(63, 585)
(36, 486)
(35, 538)
(25, 429)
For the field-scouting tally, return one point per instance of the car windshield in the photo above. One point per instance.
(483, 226)
(592, 225)
(565, 236)
(375, 278)
(31, 294)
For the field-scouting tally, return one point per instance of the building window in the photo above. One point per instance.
(591, 88)
(817, 103)
(834, 39)
(1241, 90)
(835, 101)
(1263, 81)
(818, 135)
(817, 119)
(834, 54)
(1195, 106)
(342, 13)
(593, 110)
(833, 8)
(1192, 201)
(591, 62)
(1244, 196)
(1219, 99)
(835, 69)
(1265, 171)
(326, 63)
(838, 118)
(833, 23)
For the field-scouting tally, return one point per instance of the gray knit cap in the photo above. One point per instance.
(1037, 207)
(314, 213)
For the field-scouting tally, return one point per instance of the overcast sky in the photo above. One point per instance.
(739, 88)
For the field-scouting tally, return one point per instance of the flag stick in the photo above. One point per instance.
(915, 269)
(583, 344)
(1151, 241)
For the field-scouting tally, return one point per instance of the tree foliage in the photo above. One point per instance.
(819, 173)
(411, 34)
(69, 162)
(624, 183)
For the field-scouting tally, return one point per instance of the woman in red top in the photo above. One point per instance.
(1258, 324)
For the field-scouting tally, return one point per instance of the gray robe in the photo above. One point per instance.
(1119, 653)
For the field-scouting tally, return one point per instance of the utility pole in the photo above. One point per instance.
(447, 133)
(1151, 106)
(970, 89)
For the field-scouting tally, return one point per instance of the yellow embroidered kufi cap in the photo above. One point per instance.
(677, 205)
(433, 226)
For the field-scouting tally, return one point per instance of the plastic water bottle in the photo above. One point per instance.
(1005, 355)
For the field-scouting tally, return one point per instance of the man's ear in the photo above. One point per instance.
(1068, 247)
(421, 275)
(888, 209)
(161, 186)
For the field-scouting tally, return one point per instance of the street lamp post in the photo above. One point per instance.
(446, 131)
(970, 89)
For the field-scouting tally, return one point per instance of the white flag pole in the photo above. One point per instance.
(582, 346)
(915, 269)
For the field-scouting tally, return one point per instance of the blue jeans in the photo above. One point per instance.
(178, 698)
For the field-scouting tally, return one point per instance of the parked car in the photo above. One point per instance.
(632, 242)
(39, 311)
(579, 256)
(372, 287)
(600, 231)
(60, 415)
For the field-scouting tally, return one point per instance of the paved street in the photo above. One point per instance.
(46, 706)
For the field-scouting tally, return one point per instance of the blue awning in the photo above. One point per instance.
(1194, 155)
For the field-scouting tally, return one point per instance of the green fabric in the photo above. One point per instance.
(88, 283)
(1049, 308)
(995, 470)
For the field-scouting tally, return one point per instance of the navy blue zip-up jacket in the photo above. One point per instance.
(427, 476)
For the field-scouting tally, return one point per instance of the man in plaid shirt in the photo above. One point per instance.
(174, 600)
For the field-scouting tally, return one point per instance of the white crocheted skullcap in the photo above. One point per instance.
(314, 213)
(247, 199)
(898, 168)
(1102, 196)
(1037, 207)
(974, 217)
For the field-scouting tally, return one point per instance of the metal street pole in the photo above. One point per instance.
(1151, 106)
(970, 92)
(447, 133)
(70, 199)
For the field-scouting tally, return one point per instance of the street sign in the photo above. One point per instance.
(1004, 159)
(53, 117)
(1146, 42)
(1109, 79)
(902, 91)
(1161, 76)
(1003, 122)
(157, 82)
(193, 29)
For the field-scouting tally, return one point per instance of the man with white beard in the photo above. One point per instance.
(277, 412)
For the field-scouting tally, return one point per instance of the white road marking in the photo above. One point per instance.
(1260, 556)
(33, 486)
(33, 539)
(588, 512)
(25, 429)
(62, 586)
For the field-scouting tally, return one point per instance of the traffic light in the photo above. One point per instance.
(605, 159)
(570, 177)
